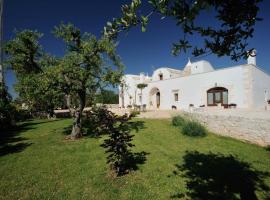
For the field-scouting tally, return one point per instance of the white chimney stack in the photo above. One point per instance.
(142, 77)
(252, 57)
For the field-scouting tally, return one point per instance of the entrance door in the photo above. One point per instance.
(217, 95)
(158, 99)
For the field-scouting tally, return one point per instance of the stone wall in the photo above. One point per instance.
(253, 130)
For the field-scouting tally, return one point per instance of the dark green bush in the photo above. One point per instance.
(6, 115)
(178, 120)
(194, 128)
(134, 113)
(22, 115)
(96, 122)
(7, 110)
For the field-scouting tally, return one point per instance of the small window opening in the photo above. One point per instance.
(161, 77)
(175, 96)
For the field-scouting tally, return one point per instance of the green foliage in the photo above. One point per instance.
(141, 85)
(107, 97)
(89, 65)
(119, 143)
(134, 113)
(193, 128)
(34, 71)
(98, 121)
(228, 39)
(178, 121)
(39, 93)
(22, 115)
(7, 111)
(24, 53)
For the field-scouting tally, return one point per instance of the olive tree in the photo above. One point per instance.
(32, 66)
(88, 65)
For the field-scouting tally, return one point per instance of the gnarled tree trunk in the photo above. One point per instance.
(76, 114)
(77, 125)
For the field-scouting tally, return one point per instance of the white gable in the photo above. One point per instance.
(166, 73)
(198, 67)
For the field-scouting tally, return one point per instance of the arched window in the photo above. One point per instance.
(217, 95)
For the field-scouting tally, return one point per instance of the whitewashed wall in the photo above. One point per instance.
(261, 88)
(167, 74)
(193, 89)
(248, 87)
(130, 89)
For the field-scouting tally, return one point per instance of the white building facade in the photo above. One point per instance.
(198, 85)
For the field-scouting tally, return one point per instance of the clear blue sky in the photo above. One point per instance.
(140, 52)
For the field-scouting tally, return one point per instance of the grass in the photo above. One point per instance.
(37, 163)
(189, 127)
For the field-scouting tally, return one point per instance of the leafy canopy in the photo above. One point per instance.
(141, 85)
(24, 53)
(89, 64)
(236, 19)
(107, 97)
(33, 68)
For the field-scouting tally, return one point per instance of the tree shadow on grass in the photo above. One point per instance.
(99, 129)
(219, 177)
(132, 162)
(11, 140)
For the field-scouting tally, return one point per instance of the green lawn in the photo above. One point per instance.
(37, 163)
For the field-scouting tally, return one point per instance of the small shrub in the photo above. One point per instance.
(193, 128)
(134, 113)
(178, 121)
(97, 121)
(119, 143)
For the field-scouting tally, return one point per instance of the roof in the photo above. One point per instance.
(172, 70)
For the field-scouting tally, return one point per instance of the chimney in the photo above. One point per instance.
(142, 77)
(252, 57)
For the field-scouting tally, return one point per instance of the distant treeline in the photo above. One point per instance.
(106, 97)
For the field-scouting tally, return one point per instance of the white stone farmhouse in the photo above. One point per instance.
(198, 85)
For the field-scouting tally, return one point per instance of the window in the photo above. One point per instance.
(210, 98)
(217, 95)
(225, 97)
(140, 97)
(175, 96)
(161, 77)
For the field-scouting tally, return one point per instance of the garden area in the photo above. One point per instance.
(97, 154)
(37, 162)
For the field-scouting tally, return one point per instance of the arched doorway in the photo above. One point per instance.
(154, 98)
(216, 96)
